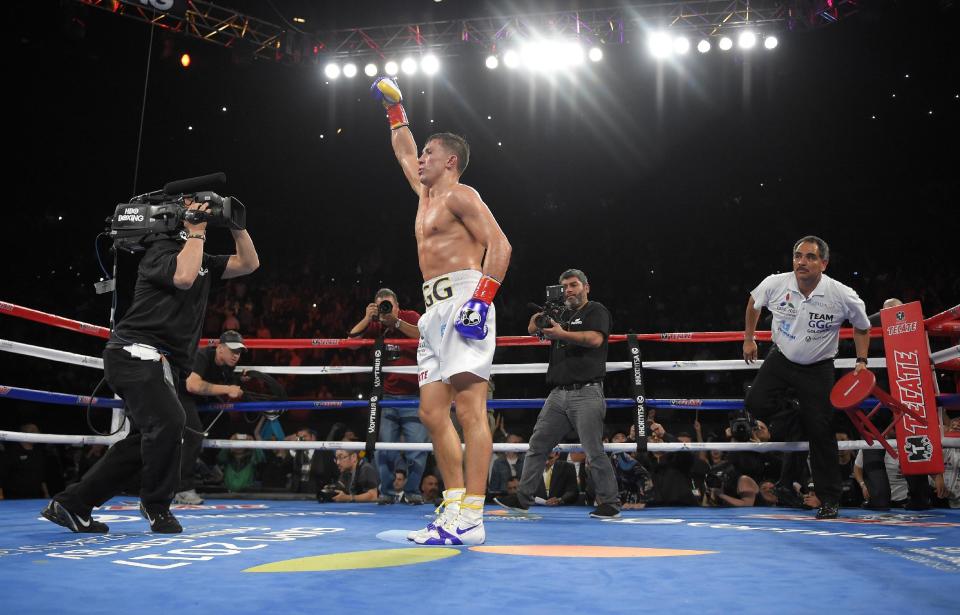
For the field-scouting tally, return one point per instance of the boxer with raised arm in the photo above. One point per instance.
(463, 257)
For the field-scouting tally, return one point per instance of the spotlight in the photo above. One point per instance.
(350, 70)
(596, 54)
(370, 70)
(533, 57)
(725, 44)
(492, 62)
(185, 60)
(660, 45)
(391, 68)
(747, 40)
(571, 54)
(771, 42)
(703, 46)
(408, 66)
(681, 45)
(332, 71)
(511, 59)
(430, 64)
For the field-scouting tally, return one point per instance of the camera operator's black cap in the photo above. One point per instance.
(233, 340)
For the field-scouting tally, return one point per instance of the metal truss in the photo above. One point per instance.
(611, 26)
(208, 22)
(619, 25)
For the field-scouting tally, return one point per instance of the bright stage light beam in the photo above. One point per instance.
(430, 64)
(492, 62)
(660, 45)
(408, 66)
(596, 54)
(681, 45)
(771, 42)
(511, 59)
(747, 40)
(332, 71)
(350, 70)
(703, 46)
(725, 44)
(370, 70)
(391, 68)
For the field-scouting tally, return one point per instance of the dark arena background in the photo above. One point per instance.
(673, 151)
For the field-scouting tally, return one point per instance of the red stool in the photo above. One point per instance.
(852, 389)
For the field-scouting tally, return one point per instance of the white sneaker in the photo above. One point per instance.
(188, 497)
(455, 534)
(444, 515)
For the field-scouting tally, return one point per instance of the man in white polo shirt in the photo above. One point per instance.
(808, 310)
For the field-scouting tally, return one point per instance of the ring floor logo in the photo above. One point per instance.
(944, 559)
(193, 548)
(800, 531)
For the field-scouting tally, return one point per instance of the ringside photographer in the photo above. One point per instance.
(384, 318)
(357, 481)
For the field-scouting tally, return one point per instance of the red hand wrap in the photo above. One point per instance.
(397, 116)
(486, 290)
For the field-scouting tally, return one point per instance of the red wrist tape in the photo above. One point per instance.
(486, 290)
(397, 116)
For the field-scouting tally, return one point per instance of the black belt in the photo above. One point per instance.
(578, 385)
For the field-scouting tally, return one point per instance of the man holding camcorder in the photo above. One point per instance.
(578, 363)
(154, 341)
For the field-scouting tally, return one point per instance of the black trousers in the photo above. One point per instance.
(151, 449)
(192, 440)
(813, 420)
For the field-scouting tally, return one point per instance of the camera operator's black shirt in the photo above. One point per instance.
(572, 364)
(161, 314)
(205, 366)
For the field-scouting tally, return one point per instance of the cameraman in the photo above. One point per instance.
(578, 363)
(385, 318)
(212, 374)
(154, 341)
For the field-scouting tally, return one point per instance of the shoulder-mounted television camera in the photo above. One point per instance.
(161, 213)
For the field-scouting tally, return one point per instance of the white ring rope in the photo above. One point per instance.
(628, 447)
(49, 353)
(947, 354)
(505, 368)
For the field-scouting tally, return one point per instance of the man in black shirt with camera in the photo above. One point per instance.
(578, 363)
(151, 345)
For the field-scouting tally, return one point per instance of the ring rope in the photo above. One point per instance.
(943, 358)
(65, 399)
(940, 324)
(626, 447)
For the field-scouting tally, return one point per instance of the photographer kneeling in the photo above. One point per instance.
(727, 487)
(357, 481)
(578, 363)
